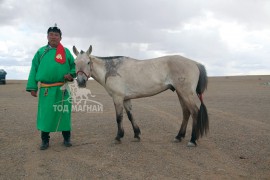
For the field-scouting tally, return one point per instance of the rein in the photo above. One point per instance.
(62, 103)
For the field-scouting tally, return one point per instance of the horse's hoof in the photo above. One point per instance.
(176, 140)
(191, 144)
(136, 139)
(117, 141)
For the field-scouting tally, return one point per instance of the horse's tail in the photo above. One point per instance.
(202, 119)
(203, 80)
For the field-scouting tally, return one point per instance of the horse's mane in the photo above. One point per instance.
(109, 57)
(105, 58)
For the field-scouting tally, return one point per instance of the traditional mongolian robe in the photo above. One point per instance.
(47, 75)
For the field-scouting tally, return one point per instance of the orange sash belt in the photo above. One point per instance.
(51, 85)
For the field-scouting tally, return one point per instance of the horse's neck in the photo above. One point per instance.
(99, 71)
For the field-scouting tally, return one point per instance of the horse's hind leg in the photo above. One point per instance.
(136, 129)
(186, 114)
(189, 103)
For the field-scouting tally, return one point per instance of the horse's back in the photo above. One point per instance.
(174, 66)
(165, 69)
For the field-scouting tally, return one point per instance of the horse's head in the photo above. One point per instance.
(83, 66)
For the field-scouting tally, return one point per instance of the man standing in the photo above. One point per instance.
(52, 66)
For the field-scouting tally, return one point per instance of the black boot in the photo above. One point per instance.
(66, 135)
(45, 140)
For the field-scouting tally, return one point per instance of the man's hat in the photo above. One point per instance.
(54, 29)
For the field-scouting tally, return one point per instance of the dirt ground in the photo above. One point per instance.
(236, 147)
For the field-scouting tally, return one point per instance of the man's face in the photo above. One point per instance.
(54, 38)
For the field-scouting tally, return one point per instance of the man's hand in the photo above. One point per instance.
(34, 93)
(68, 77)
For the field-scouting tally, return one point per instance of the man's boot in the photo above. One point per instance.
(45, 140)
(66, 135)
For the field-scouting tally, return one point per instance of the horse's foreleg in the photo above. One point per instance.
(136, 129)
(186, 115)
(118, 104)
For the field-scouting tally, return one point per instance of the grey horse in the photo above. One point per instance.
(126, 78)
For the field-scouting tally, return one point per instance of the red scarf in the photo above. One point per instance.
(60, 56)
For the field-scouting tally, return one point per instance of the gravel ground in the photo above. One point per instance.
(237, 146)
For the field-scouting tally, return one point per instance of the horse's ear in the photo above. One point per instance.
(88, 52)
(76, 52)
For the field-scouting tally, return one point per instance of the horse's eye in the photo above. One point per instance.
(88, 63)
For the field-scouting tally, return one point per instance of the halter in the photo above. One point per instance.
(89, 75)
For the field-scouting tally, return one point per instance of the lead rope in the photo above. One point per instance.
(64, 88)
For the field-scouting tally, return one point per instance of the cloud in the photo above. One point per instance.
(253, 14)
(16, 72)
(229, 37)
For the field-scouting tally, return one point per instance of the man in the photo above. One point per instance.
(52, 66)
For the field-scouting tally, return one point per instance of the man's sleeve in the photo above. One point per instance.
(32, 84)
(72, 66)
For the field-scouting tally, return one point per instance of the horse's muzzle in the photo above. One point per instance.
(81, 82)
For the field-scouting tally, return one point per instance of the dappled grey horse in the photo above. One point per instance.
(125, 78)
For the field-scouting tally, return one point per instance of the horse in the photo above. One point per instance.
(125, 78)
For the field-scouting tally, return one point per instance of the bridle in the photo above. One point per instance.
(89, 75)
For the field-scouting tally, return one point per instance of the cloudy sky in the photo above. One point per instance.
(230, 37)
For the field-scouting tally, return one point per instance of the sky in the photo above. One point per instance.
(230, 37)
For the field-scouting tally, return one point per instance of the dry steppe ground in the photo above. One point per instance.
(236, 147)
